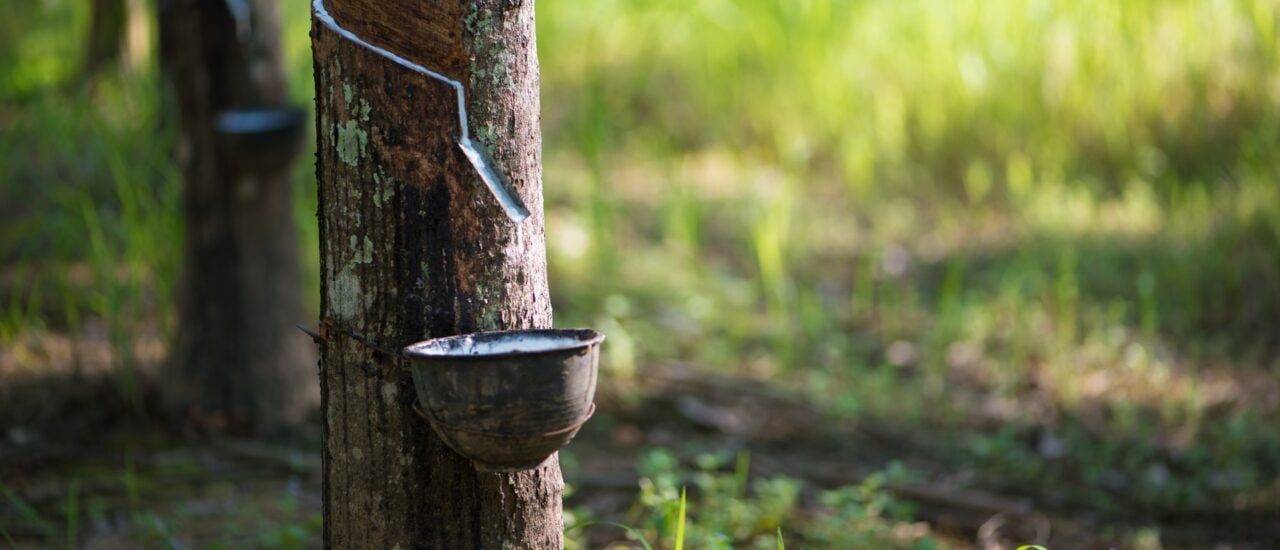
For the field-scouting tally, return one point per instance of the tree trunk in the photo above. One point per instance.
(238, 363)
(414, 246)
(106, 36)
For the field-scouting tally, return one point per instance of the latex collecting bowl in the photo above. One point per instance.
(261, 140)
(507, 400)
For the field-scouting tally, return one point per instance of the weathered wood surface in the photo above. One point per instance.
(414, 246)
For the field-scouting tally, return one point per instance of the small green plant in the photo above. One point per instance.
(732, 513)
(867, 516)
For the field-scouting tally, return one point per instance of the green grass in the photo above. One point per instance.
(718, 509)
(1067, 214)
(997, 223)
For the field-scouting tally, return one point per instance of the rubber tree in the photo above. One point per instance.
(238, 363)
(414, 246)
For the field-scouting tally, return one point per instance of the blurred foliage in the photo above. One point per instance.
(1046, 234)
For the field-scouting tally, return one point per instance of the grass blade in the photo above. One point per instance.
(742, 472)
(26, 511)
(680, 522)
(630, 530)
(73, 514)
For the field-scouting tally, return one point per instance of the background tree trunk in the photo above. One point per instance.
(414, 246)
(106, 36)
(238, 363)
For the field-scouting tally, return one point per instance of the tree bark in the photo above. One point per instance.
(414, 246)
(238, 363)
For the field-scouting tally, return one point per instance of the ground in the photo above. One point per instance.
(106, 477)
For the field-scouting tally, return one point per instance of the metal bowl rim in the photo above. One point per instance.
(278, 118)
(583, 338)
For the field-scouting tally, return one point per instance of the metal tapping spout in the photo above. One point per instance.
(492, 179)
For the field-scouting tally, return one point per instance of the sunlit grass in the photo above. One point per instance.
(948, 213)
(1096, 90)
